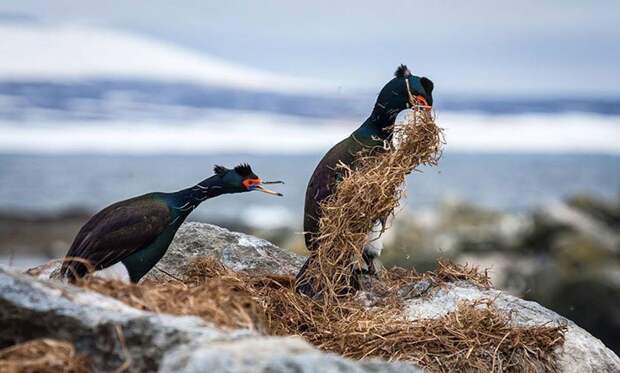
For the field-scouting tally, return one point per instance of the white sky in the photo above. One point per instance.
(469, 47)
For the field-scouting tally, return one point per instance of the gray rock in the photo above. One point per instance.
(562, 213)
(581, 351)
(31, 308)
(269, 354)
(237, 251)
(112, 333)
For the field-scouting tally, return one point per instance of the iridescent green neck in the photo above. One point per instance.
(188, 199)
(376, 128)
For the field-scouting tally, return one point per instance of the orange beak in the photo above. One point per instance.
(268, 191)
(421, 101)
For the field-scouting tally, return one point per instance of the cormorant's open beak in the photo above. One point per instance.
(421, 102)
(265, 190)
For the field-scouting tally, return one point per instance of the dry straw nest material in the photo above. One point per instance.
(475, 336)
(42, 355)
(368, 192)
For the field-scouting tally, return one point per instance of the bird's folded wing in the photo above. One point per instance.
(322, 184)
(117, 232)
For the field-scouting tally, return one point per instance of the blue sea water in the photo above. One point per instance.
(514, 182)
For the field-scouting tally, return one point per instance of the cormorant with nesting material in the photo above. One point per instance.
(402, 92)
(134, 234)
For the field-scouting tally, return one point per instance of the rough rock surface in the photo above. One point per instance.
(31, 308)
(581, 351)
(112, 333)
(269, 354)
(237, 251)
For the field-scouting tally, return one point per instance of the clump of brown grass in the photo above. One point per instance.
(224, 299)
(369, 191)
(449, 272)
(397, 279)
(42, 356)
(474, 336)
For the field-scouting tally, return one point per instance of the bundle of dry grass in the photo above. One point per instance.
(475, 336)
(41, 356)
(369, 191)
(224, 299)
(397, 282)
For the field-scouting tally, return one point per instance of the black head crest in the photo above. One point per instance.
(244, 170)
(402, 72)
(219, 170)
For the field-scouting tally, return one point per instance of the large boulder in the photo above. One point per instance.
(238, 251)
(111, 333)
(96, 324)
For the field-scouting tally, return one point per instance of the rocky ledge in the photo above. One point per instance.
(112, 333)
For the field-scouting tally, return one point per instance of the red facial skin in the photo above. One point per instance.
(247, 183)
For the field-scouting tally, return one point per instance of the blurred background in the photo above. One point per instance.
(101, 101)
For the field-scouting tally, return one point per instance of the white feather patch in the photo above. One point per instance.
(117, 271)
(375, 241)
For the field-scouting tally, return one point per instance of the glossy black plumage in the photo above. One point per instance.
(138, 231)
(118, 231)
(322, 184)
